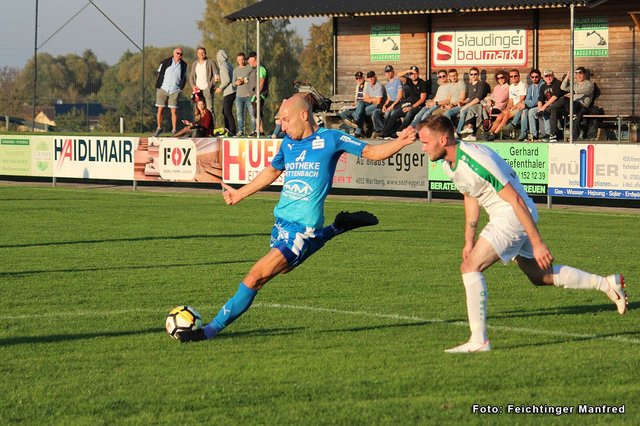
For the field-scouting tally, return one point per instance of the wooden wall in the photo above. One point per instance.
(617, 75)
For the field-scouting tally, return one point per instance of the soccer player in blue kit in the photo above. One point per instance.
(309, 156)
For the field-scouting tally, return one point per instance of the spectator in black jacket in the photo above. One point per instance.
(172, 77)
(550, 102)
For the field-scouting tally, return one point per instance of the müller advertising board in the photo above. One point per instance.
(594, 171)
(243, 159)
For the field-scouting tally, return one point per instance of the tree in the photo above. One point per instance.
(73, 121)
(316, 60)
(10, 96)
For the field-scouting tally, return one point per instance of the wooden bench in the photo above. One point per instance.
(618, 121)
(331, 118)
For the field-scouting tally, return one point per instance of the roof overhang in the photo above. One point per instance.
(267, 10)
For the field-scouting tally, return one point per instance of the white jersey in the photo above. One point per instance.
(481, 173)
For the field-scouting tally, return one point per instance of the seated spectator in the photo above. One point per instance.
(347, 112)
(582, 96)
(530, 104)
(371, 101)
(393, 89)
(415, 94)
(551, 102)
(497, 100)
(470, 107)
(203, 125)
(442, 97)
(515, 104)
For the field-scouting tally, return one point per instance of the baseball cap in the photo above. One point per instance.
(547, 72)
(388, 68)
(582, 70)
(371, 74)
(414, 68)
(358, 74)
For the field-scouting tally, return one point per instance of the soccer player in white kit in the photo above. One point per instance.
(486, 180)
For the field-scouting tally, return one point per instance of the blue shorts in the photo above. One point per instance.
(296, 242)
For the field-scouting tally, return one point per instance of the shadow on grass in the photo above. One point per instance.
(562, 310)
(57, 338)
(387, 326)
(574, 339)
(123, 268)
(128, 240)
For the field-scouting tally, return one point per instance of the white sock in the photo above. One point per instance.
(569, 277)
(476, 289)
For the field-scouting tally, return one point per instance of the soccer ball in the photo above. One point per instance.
(182, 318)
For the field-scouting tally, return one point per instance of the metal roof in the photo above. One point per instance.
(282, 9)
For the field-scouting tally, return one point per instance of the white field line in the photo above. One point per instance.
(395, 317)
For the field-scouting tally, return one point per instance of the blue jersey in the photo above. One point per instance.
(309, 165)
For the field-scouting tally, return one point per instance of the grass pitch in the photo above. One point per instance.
(354, 336)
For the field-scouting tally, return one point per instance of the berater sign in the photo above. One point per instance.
(492, 48)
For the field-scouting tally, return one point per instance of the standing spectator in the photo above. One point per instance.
(550, 102)
(203, 77)
(477, 90)
(582, 96)
(371, 101)
(172, 77)
(263, 90)
(243, 93)
(530, 105)
(228, 91)
(347, 113)
(393, 89)
(515, 104)
(415, 94)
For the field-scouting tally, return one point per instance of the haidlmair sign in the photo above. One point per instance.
(483, 48)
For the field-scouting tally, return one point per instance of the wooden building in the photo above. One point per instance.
(489, 34)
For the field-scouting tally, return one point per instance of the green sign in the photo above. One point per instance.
(15, 157)
(530, 162)
(591, 36)
(384, 43)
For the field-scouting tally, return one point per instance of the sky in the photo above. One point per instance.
(168, 23)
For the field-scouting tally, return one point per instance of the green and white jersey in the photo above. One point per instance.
(481, 173)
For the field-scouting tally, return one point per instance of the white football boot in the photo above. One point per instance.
(470, 347)
(616, 292)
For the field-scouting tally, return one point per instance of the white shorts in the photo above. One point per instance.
(506, 235)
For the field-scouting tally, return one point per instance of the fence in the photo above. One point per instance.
(81, 65)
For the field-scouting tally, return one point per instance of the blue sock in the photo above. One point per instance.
(231, 310)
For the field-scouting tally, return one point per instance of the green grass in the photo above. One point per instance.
(354, 336)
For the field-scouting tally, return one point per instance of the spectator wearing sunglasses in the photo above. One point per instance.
(172, 77)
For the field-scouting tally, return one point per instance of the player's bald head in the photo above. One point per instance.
(296, 117)
(297, 103)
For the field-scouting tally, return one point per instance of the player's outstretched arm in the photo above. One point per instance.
(540, 250)
(265, 178)
(387, 149)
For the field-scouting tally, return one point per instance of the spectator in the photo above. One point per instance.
(550, 102)
(530, 106)
(263, 90)
(393, 89)
(515, 104)
(172, 77)
(203, 77)
(415, 94)
(228, 91)
(203, 122)
(582, 96)
(442, 97)
(243, 93)
(347, 113)
(371, 101)
(477, 90)
(497, 100)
